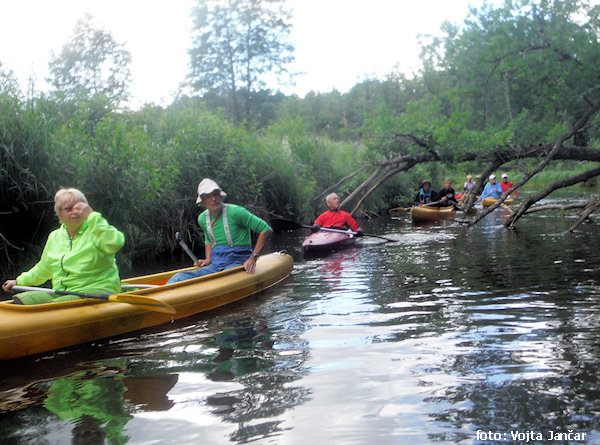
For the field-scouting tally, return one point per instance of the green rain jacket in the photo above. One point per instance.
(82, 264)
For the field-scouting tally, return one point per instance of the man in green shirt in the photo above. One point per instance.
(227, 234)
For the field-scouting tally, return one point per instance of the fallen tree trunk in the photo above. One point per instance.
(497, 159)
(380, 175)
(556, 147)
(592, 206)
(510, 222)
(340, 182)
(544, 208)
(391, 172)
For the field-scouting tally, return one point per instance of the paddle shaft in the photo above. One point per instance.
(286, 224)
(136, 300)
(347, 232)
(454, 205)
(123, 286)
(186, 248)
(59, 292)
(431, 203)
(138, 286)
(405, 209)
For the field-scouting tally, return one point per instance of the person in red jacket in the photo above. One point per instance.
(336, 218)
(506, 184)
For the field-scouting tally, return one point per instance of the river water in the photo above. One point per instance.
(448, 335)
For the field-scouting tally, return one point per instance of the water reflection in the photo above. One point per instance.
(231, 362)
(93, 403)
(149, 392)
(428, 339)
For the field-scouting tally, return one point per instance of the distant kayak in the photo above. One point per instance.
(487, 202)
(327, 241)
(425, 213)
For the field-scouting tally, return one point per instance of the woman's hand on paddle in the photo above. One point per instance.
(7, 286)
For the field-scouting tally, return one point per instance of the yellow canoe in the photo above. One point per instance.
(425, 213)
(487, 202)
(26, 330)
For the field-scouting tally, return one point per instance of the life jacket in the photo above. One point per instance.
(424, 198)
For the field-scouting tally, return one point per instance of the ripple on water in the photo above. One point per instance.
(426, 339)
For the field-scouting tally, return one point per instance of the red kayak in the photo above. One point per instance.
(327, 241)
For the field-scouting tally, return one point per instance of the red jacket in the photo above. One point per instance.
(506, 186)
(339, 219)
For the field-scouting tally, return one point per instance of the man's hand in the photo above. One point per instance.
(202, 263)
(250, 265)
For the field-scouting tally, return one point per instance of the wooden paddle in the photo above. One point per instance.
(397, 210)
(149, 303)
(407, 209)
(286, 224)
(429, 204)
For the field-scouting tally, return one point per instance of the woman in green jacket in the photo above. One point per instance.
(79, 256)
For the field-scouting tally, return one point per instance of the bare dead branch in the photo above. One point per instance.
(544, 208)
(549, 189)
(558, 144)
(8, 243)
(340, 182)
(590, 208)
(391, 172)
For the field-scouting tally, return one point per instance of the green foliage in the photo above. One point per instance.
(515, 75)
(520, 66)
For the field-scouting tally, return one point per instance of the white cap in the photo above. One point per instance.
(504, 175)
(492, 177)
(206, 187)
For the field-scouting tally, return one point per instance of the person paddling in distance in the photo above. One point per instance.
(426, 195)
(334, 218)
(506, 184)
(492, 189)
(469, 185)
(227, 234)
(79, 256)
(446, 194)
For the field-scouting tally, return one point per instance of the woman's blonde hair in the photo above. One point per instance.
(65, 195)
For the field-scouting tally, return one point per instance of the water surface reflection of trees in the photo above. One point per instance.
(518, 312)
(96, 405)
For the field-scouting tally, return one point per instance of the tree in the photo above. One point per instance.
(516, 82)
(91, 63)
(238, 45)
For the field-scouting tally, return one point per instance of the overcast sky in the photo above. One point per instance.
(338, 42)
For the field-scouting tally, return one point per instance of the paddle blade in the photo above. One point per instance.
(149, 303)
(284, 225)
(396, 211)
